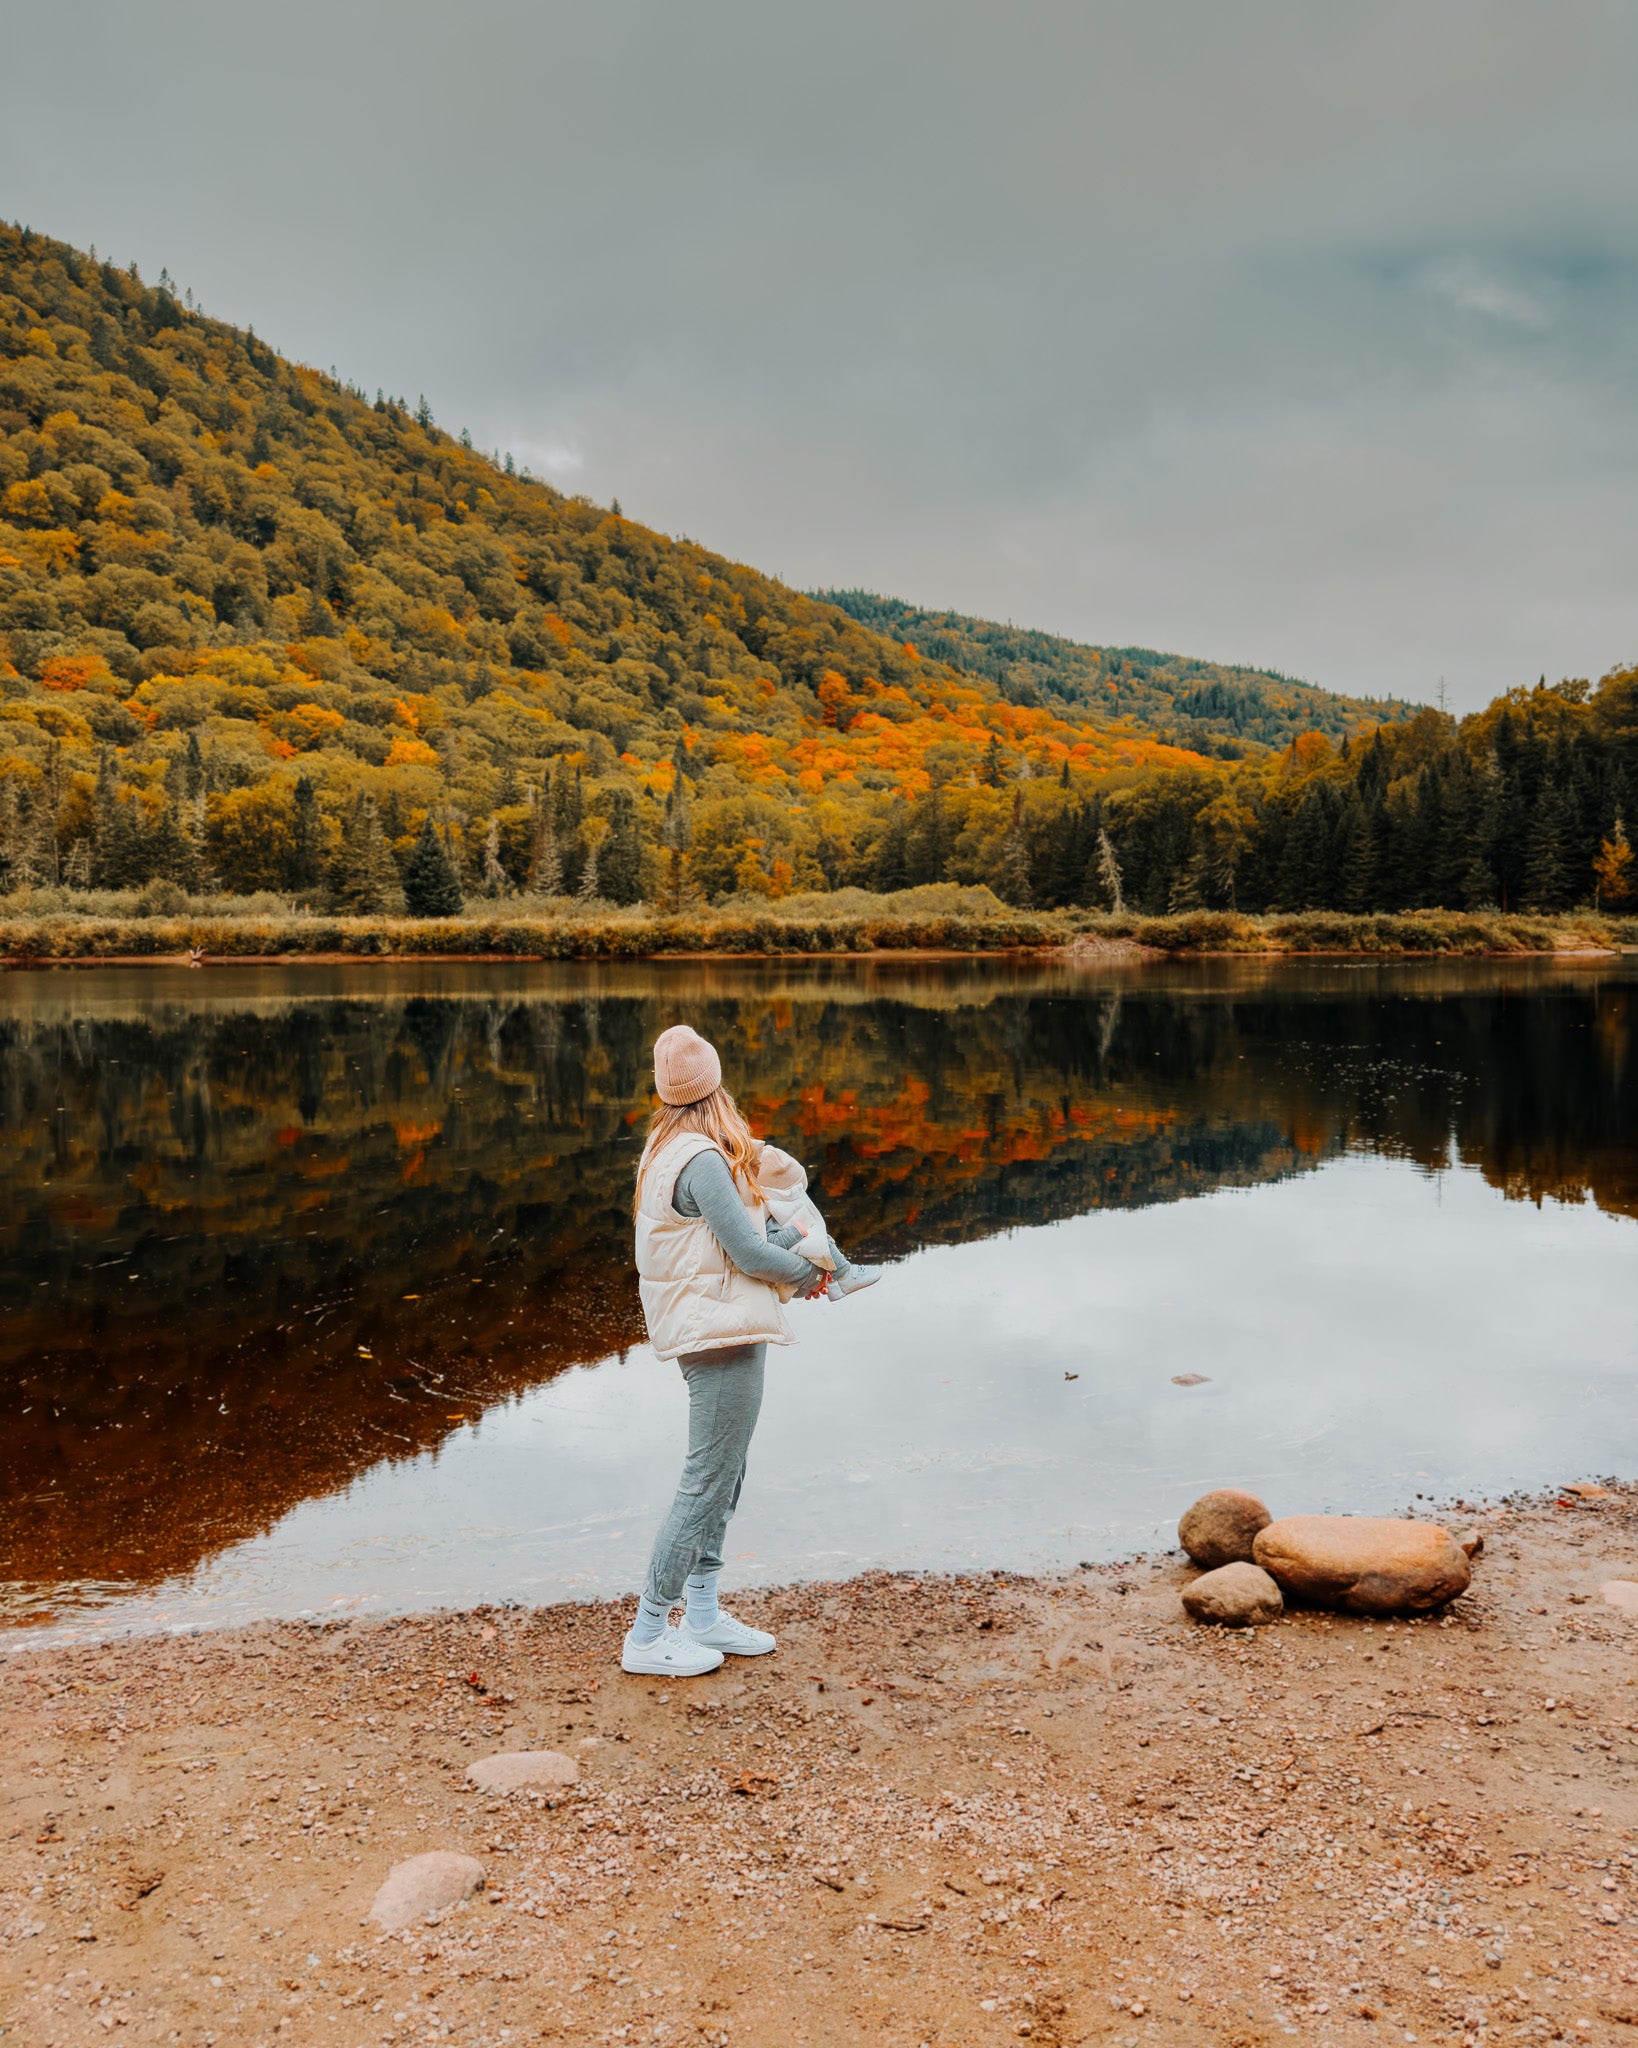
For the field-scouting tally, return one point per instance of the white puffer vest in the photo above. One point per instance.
(694, 1298)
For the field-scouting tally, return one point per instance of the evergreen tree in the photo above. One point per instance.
(1546, 883)
(1356, 874)
(568, 815)
(1304, 868)
(931, 838)
(994, 774)
(116, 837)
(307, 839)
(1013, 875)
(592, 835)
(193, 765)
(893, 850)
(1104, 876)
(620, 865)
(545, 861)
(170, 854)
(494, 880)
(365, 880)
(432, 887)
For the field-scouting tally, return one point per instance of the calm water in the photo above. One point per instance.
(317, 1290)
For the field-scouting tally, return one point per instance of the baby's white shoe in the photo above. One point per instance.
(672, 1654)
(840, 1285)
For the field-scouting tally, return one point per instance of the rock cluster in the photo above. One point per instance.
(1235, 1595)
(1357, 1564)
(1222, 1526)
(1364, 1564)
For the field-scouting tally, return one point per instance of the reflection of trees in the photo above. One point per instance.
(279, 1173)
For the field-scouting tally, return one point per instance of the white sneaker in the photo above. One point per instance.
(731, 1638)
(840, 1285)
(672, 1654)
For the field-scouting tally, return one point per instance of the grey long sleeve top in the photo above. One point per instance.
(705, 1187)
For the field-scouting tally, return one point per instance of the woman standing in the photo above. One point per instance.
(713, 1283)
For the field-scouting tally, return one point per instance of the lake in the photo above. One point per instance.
(318, 1294)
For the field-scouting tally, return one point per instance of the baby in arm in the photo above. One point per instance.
(785, 1189)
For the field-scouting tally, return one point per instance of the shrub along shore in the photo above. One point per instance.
(573, 932)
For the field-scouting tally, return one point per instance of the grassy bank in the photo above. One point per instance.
(107, 928)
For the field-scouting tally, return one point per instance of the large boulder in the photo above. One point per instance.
(1221, 1527)
(515, 1770)
(1234, 1596)
(425, 1884)
(1363, 1564)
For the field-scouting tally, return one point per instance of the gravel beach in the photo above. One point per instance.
(950, 1811)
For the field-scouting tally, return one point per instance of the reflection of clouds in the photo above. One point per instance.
(1371, 1335)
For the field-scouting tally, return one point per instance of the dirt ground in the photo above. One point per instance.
(949, 1811)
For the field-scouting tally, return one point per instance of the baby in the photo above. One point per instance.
(785, 1188)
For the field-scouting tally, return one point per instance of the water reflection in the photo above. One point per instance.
(265, 1229)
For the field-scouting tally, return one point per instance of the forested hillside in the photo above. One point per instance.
(260, 632)
(1210, 706)
(259, 627)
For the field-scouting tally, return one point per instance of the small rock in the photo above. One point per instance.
(513, 1770)
(1235, 1596)
(425, 1884)
(1364, 1564)
(1472, 1542)
(1191, 1379)
(1622, 1593)
(1221, 1527)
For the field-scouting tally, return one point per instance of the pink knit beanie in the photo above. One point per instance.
(686, 1067)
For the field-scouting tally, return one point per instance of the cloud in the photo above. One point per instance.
(1276, 332)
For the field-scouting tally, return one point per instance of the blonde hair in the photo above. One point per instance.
(715, 1116)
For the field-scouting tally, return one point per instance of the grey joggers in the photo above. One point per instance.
(724, 1400)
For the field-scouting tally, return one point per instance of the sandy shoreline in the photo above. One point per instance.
(950, 1811)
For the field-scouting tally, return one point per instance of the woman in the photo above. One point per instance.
(712, 1282)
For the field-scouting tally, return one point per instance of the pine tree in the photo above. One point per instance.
(14, 869)
(1014, 871)
(193, 766)
(1356, 881)
(893, 850)
(592, 834)
(307, 839)
(365, 880)
(495, 880)
(170, 855)
(116, 841)
(568, 815)
(1104, 876)
(1546, 884)
(545, 861)
(620, 865)
(994, 775)
(931, 838)
(432, 888)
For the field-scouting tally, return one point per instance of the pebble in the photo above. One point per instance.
(1221, 1527)
(1364, 1564)
(1234, 1596)
(425, 1884)
(513, 1769)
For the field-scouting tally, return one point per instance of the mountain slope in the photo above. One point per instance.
(1197, 704)
(257, 627)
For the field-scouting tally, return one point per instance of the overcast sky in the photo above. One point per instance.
(1298, 334)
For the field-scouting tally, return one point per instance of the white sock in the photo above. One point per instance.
(702, 1599)
(652, 1617)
